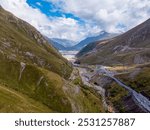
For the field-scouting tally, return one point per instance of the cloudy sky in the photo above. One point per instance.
(77, 19)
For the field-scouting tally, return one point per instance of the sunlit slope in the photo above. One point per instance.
(13, 101)
(22, 42)
(32, 73)
(30, 66)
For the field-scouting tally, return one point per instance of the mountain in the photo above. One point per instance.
(55, 44)
(64, 42)
(127, 58)
(132, 47)
(34, 77)
(103, 35)
(31, 70)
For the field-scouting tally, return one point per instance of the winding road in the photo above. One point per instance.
(142, 101)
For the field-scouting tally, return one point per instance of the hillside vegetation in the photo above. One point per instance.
(32, 73)
(138, 78)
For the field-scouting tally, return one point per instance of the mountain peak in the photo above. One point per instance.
(132, 47)
(101, 36)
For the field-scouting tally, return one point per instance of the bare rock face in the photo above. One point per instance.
(101, 80)
(138, 59)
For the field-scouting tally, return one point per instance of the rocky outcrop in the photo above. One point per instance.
(22, 68)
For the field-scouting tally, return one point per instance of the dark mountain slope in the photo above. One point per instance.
(128, 56)
(132, 47)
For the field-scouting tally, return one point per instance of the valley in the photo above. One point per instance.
(89, 75)
(104, 72)
(120, 65)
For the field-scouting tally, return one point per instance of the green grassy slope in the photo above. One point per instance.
(23, 42)
(30, 66)
(33, 74)
(138, 78)
(35, 82)
(13, 101)
(82, 97)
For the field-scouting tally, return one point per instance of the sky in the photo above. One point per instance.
(78, 19)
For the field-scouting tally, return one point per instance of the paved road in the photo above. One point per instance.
(141, 100)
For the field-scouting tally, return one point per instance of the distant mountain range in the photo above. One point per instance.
(64, 44)
(103, 35)
(56, 44)
(132, 47)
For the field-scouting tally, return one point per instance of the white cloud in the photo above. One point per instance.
(58, 27)
(108, 14)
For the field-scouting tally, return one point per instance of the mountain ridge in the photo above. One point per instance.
(34, 77)
(133, 46)
(64, 44)
(101, 36)
(31, 67)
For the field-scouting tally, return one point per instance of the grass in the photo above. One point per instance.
(21, 37)
(48, 92)
(16, 39)
(13, 101)
(139, 82)
(106, 55)
(77, 81)
(42, 83)
(83, 98)
(115, 95)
